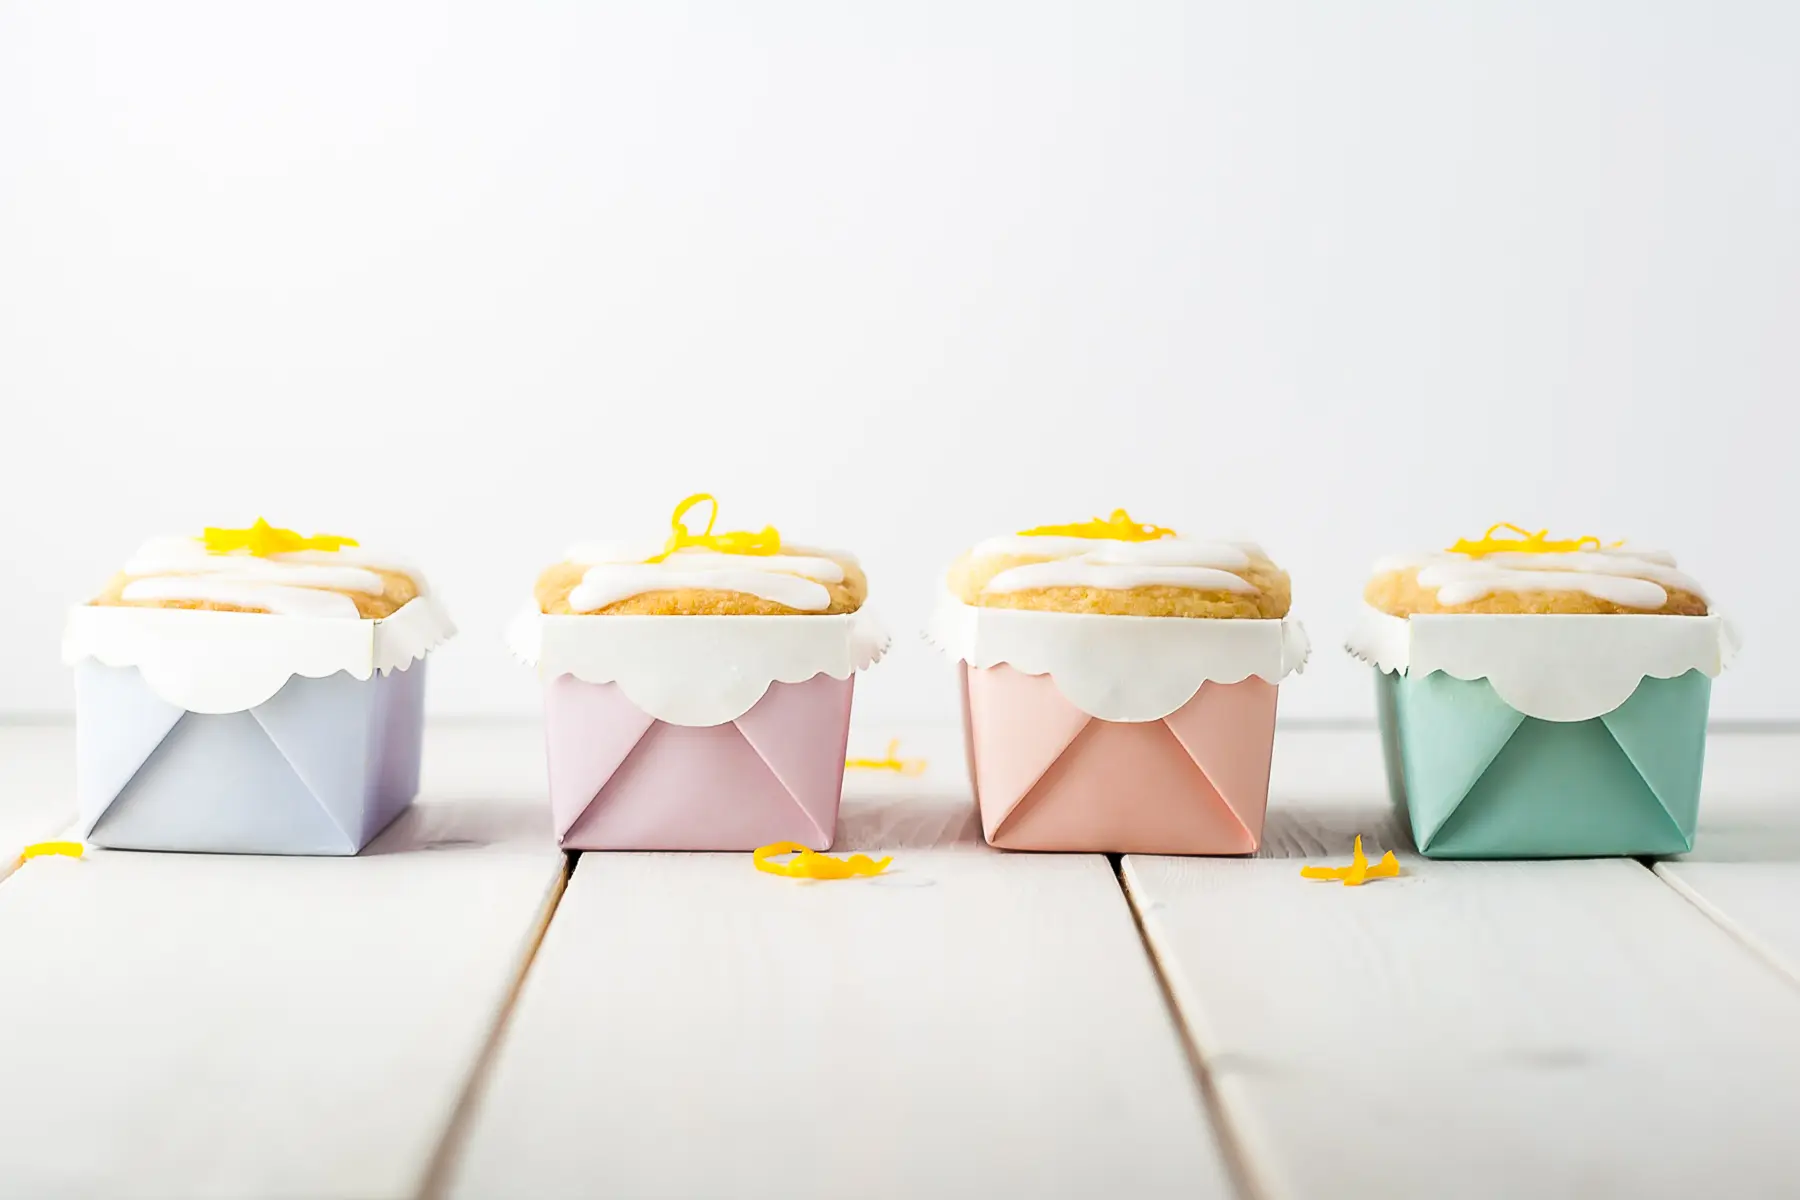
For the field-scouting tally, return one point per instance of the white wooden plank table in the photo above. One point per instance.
(200, 1025)
(973, 1024)
(1472, 1029)
(978, 1024)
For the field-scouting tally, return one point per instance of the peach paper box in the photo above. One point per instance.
(1146, 735)
(696, 732)
(243, 733)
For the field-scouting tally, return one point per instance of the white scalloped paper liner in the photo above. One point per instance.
(221, 662)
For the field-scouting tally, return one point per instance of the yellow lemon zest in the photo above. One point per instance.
(39, 849)
(742, 542)
(1119, 527)
(1526, 542)
(1359, 871)
(263, 539)
(890, 761)
(808, 864)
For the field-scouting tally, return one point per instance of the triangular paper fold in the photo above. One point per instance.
(186, 796)
(321, 726)
(1623, 783)
(784, 730)
(319, 768)
(1667, 749)
(1558, 789)
(1218, 727)
(119, 724)
(1456, 727)
(622, 780)
(1126, 787)
(590, 729)
(692, 788)
(1049, 777)
(1025, 724)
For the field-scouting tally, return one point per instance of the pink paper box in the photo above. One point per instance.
(1050, 777)
(622, 780)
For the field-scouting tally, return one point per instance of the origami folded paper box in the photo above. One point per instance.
(693, 732)
(241, 733)
(1123, 734)
(1545, 736)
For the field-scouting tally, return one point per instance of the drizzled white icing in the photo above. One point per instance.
(1629, 578)
(1079, 573)
(1109, 564)
(292, 584)
(356, 556)
(796, 581)
(1167, 551)
(186, 556)
(272, 598)
(243, 568)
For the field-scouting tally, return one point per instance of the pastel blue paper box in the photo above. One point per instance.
(1544, 736)
(245, 733)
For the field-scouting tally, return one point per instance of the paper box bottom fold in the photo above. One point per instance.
(319, 768)
(1475, 778)
(622, 780)
(1048, 776)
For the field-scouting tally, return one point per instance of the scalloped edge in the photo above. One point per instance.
(1170, 658)
(1555, 667)
(225, 662)
(697, 671)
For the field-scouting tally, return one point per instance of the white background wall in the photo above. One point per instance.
(474, 281)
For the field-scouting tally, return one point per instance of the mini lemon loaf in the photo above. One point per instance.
(263, 569)
(1526, 572)
(702, 574)
(1119, 567)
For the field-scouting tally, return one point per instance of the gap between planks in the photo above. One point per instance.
(443, 1162)
(1231, 1149)
(1736, 930)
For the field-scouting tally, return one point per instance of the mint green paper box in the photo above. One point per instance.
(1545, 736)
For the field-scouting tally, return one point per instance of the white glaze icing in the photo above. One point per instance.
(1458, 584)
(242, 568)
(1627, 577)
(303, 583)
(1076, 573)
(826, 564)
(1171, 551)
(606, 585)
(356, 556)
(1117, 565)
(806, 566)
(299, 568)
(617, 571)
(272, 598)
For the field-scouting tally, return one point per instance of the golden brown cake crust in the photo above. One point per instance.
(554, 585)
(396, 590)
(969, 575)
(1399, 594)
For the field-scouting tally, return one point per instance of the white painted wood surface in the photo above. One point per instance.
(196, 1025)
(1479, 1029)
(973, 1024)
(260, 1027)
(1745, 868)
(37, 786)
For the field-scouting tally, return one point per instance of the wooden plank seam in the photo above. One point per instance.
(1237, 1162)
(444, 1160)
(1758, 948)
